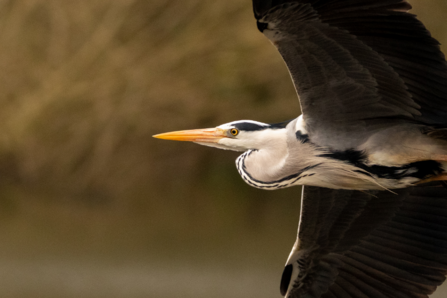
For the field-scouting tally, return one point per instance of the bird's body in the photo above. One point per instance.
(279, 156)
(301, 162)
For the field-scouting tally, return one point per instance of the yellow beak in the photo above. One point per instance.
(207, 135)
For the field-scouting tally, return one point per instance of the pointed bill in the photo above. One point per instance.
(207, 135)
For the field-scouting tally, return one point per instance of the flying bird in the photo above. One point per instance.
(372, 85)
(370, 147)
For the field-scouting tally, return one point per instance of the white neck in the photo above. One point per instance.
(265, 164)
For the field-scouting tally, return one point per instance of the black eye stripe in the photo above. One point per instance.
(250, 126)
(247, 126)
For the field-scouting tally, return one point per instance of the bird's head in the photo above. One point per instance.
(237, 135)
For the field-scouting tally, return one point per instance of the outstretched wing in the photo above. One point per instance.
(357, 65)
(354, 244)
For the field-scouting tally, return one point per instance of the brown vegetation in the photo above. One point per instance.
(87, 83)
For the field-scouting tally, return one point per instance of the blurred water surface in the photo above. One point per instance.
(90, 204)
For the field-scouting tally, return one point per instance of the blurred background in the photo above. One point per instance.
(90, 204)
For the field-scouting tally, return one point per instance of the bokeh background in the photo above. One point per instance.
(90, 204)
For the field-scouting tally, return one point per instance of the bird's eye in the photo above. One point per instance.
(234, 132)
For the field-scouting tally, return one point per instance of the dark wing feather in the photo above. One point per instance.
(354, 244)
(357, 65)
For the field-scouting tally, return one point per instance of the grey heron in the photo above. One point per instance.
(372, 85)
